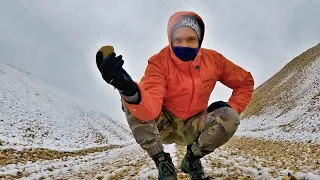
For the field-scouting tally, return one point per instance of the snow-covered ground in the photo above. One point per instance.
(131, 162)
(35, 114)
(127, 160)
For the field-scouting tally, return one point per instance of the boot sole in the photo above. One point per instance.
(184, 171)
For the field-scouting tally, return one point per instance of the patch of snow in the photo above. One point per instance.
(301, 123)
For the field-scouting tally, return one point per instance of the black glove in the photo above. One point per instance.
(113, 73)
(217, 105)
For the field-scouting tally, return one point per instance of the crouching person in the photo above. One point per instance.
(170, 104)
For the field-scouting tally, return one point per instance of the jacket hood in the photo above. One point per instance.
(174, 19)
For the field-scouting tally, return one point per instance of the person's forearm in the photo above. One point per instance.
(131, 99)
(149, 103)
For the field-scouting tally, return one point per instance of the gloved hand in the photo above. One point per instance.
(112, 72)
(217, 105)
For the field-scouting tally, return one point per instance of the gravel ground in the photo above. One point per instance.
(240, 158)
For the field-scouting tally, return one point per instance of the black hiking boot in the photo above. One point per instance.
(165, 167)
(191, 165)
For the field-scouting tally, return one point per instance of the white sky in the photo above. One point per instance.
(56, 40)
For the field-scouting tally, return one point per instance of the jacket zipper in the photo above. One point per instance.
(192, 89)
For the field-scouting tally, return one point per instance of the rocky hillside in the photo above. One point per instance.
(35, 114)
(287, 106)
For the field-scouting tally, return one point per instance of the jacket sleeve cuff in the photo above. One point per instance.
(135, 99)
(142, 110)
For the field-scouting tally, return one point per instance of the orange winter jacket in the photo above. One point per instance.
(185, 87)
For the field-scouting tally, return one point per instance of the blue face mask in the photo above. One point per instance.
(185, 53)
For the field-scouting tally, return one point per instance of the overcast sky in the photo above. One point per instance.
(56, 40)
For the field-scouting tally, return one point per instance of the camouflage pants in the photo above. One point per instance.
(205, 131)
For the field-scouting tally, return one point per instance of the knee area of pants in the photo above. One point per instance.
(227, 114)
(230, 124)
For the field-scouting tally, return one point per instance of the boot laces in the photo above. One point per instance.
(166, 169)
(196, 167)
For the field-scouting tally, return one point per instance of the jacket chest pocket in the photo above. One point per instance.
(207, 85)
